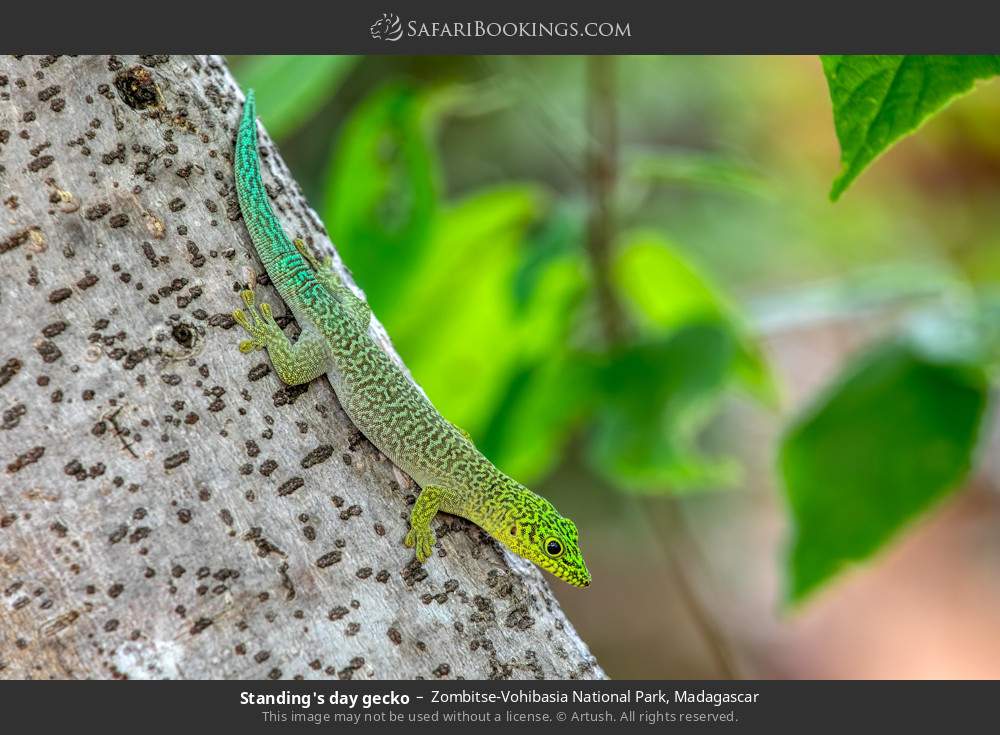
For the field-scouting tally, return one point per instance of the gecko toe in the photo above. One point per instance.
(421, 541)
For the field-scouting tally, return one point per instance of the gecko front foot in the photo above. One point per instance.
(422, 541)
(421, 536)
(260, 324)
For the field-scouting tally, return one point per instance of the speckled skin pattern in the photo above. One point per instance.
(379, 398)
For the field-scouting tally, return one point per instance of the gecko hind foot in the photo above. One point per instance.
(260, 323)
(422, 541)
(318, 264)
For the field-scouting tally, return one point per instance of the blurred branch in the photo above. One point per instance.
(601, 177)
(671, 530)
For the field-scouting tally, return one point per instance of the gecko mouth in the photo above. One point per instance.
(571, 576)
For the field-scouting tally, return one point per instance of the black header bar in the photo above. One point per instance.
(508, 27)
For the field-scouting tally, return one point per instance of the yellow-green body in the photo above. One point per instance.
(381, 401)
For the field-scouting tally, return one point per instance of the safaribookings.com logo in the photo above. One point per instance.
(387, 28)
(390, 28)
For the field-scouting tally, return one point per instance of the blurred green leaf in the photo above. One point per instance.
(667, 291)
(656, 396)
(558, 236)
(291, 89)
(893, 435)
(550, 392)
(532, 422)
(459, 330)
(879, 99)
(383, 191)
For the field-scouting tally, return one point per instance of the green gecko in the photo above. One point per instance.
(381, 401)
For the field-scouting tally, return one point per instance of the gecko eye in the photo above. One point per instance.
(553, 548)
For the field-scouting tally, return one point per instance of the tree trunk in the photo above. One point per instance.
(167, 507)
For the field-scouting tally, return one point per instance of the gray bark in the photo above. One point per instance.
(167, 507)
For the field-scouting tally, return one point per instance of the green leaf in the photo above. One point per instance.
(458, 328)
(291, 89)
(895, 434)
(538, 412)
(383, 192)
(551, 391)
(656, 396)
(667, 291)
(879, 99)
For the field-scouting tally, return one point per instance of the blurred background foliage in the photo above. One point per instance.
(624, 277)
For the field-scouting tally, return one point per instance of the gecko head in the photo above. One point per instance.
(539, 534)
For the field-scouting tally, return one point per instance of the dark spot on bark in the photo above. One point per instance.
(97, 211)
(264, 546)
(354, 510)
(23, 460)
(137, 88)
(519, 618)
(175, 460)
(60, 294)
(118, 534)
(54, 329)
(12, 416)
(224, 321)
(200, 624)
(289, 394)
(15, 240)
(48, 350)
(135, 357)
(183, 335)
(139, 534)
(329, 559)
(258, 371)
(290, 486)
(49, 92)
(9, 370)
(320, 454)
(39, 163)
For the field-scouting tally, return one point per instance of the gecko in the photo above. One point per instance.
(378, 397)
